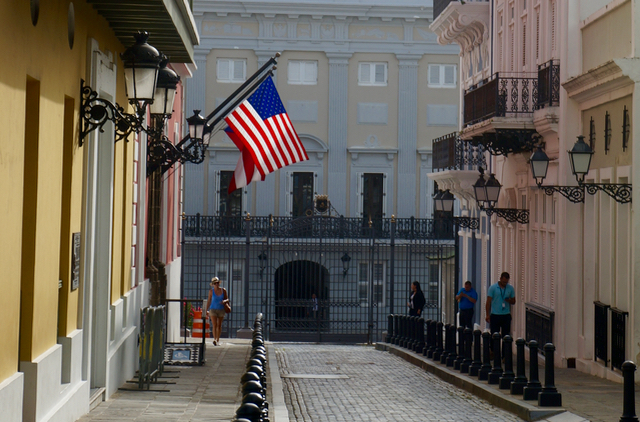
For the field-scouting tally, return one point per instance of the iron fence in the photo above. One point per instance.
(618, 337)
(318, 278)
(539, 324)
(502, 95)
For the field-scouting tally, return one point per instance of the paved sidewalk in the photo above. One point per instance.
(584, 397)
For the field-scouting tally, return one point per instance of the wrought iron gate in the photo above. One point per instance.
(319, 277)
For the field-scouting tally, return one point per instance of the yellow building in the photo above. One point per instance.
(72, 211)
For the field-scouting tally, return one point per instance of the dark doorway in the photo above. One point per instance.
(301, 289)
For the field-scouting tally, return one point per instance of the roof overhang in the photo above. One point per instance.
(170, 24)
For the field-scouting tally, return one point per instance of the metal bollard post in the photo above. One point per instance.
(428, 346)
(533, 387)
(508, 375)
(468, 341)
(396, 328)
(496, 371)
(389, 329)
(477, 354)
(451, 357)
(403, 330)
(483, 374)
(446, 345)
(520, 381)
(460, 358)
(420, 334)
(437, 352)
(549, 396)
(628, 404)
(414, 334)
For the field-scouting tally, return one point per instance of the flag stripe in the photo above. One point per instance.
(260, 158)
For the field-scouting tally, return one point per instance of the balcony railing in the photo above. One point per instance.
(503, 95)
(452, 153)
(549, 84)
(440, 5)
(539, 324)
(618, 337)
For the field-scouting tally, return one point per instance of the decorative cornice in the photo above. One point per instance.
(459, 182)
(597, 81)
(356, 151)
(466, 24)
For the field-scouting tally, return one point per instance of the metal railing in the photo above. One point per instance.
(618, 337)
(600, 331)
(548, 84)
(152, 336)
(452, 153)
(539, 323)
(502, 95)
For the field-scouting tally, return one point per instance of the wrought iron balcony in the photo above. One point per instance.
(452, 153)
(502, 95)
(440, 5)
(548, 84)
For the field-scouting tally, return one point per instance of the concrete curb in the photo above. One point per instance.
(278, 411)
(487, 392)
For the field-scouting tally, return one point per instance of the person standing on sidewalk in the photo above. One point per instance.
(467, 298)
(215, 308)
(416, 301)
(498, 309)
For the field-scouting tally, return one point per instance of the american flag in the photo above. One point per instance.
(262, 131)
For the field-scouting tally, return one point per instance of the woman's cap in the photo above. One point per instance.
(215, 280)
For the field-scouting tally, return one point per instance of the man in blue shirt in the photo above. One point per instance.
(467, 298)
(499, 300)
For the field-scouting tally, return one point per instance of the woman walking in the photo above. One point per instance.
(417, 301)
(215, 308)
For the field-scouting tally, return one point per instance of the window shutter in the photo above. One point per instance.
(384, 195)
(238, 70)
(449, 75)
(294, 71)
(223, 69)
(288, 195)
(315, 183)
(245, 199)
(434, 74)
(365, 73)
(380, 73)
(311, 72)
(216, 200)
(359, 193)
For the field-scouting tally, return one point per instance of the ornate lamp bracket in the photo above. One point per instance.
(620, 192)
(467, 222)
(512, 215)
(574, 194)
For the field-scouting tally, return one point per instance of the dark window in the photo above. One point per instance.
(372, 196)
(230, 204)
(302, 194)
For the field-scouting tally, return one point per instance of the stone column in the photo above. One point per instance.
(407, 134)
(338, 125)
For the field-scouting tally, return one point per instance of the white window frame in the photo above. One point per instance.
(231, 78)
(364, 283)
(288, 183)
(307, 72)
(372, 74)
(231, 280)
(441, 78)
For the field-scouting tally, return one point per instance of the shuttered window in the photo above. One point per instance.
(372, 74)
(231, 70)
(442, 76)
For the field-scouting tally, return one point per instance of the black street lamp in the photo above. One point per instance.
(580, 160)
(141, 64)
(345, 264)
(487, 193)
(165, 93)
(262, 258)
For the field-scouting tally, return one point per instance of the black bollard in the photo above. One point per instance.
(530, 392)
(403, 330)
(483, 374)
(389, 328)
(460, 358)
(451, 357)
(428, 345)
(468, 341)
(520, 381)
(394, 339)
(420, 334)
(549, 396)
(508, 375)
(629, 403)
(414, 334)
(446, 345)
(437, 352)
(477, 354)
(496, 371)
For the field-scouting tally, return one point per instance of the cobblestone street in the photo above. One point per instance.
(354, 383)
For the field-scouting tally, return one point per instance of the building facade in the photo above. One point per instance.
(542, 73)
(73, 248)
(367, 89)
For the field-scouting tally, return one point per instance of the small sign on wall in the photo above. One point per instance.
(75, 261)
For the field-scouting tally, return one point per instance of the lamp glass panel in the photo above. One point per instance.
(580, 162)
(539, 169)
(159, 104)
(493, 193)
(447, 204)
(481, 193)
(144, 85)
